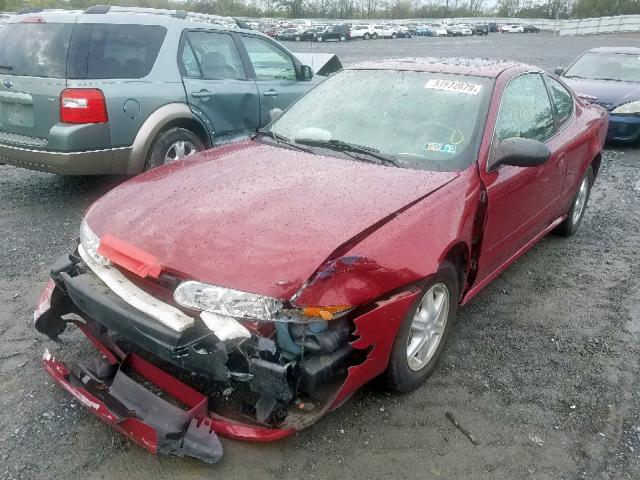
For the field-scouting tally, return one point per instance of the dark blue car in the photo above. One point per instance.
(610, 77)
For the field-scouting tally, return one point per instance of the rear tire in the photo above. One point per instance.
(393, 36)
(406, 370)
(578, 206)
(375, 36)
(171, 145)
(343, 38)
(319, 38)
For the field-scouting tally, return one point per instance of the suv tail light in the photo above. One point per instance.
(83, 105)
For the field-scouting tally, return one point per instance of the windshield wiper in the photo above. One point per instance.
(346, 147)
(277, 138)
(6, 67)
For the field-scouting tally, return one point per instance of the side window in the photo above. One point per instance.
(269, 62)
(562, 100)
(212, 56)
(104, 51)
(525, 110)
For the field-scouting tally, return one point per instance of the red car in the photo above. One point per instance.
(261, 284)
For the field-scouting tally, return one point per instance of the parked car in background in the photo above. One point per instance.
(341, 32)
(531, 28)
(132, 92)
(511, 29)
(610, 77)
(288, 34)
(362, 32)
(309, 35)
(439, 30)
(460, 30)
(385, 31)
(480, 29)
(431, 190)
(403, 31)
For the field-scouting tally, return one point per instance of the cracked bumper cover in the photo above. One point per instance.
(179, 431)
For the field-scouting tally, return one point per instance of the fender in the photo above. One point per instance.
(150, 129)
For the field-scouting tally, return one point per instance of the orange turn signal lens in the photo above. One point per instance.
(325, 313)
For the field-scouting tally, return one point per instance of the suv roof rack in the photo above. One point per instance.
(180, 14)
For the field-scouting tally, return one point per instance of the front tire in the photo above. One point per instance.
(343, 38)
(578, 206)
(375, 36)
(393, 36)
(424, 332)
(366, 36)
(171, 145)
(320, 39)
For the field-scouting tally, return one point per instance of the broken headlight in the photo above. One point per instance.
(90, 243)
(238, 304)
(226, 301)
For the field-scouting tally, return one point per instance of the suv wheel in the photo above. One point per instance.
(343, 38)
(394, 36)
(375, 36)
(171, 145)
(319, 38)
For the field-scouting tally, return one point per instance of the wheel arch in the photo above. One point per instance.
(458, 255)
(595, 164)
(168, 116)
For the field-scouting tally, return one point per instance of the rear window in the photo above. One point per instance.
(103, 51)
(35, 49)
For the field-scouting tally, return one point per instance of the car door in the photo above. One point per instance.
(573, 142)
(217, 86)
(275, 73)
(521, 200)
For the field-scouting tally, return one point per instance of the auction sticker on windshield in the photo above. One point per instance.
(453, 86)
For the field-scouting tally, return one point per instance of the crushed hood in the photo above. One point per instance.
(254, 217)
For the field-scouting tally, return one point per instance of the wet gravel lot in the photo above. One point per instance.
(542, 368)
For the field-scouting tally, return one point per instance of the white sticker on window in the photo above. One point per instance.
(453, 86)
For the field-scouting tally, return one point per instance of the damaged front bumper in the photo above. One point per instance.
(258, 390)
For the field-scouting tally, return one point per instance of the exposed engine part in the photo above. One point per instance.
(270, 379)
(318, 370)
(321, 337)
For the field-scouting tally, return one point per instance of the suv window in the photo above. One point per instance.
(269, 62)
(525, 110)
(562, 100)
(211, 55)
(103, 51)
(20, 41)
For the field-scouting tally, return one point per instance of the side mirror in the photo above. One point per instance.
(306, 72)
(558, 71)
(274, 114)
(519, 152)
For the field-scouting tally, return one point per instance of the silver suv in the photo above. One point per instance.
(121, 90)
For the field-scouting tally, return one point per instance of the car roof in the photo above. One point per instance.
(480, 67)
(626, 50)
(120, 15)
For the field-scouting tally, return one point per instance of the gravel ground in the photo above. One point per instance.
(542, 368)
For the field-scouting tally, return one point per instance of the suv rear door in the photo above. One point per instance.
(276, 74)
(33, 67)
(216, 82)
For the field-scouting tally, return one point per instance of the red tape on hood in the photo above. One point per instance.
(129, 257)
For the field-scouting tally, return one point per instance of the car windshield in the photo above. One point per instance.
(619, 67)
(420, 120)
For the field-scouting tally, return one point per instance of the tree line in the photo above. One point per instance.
(346, 9)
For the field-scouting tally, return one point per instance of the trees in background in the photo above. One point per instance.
(346, 9)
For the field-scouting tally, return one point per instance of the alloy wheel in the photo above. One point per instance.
(180, 149)
(427, 327)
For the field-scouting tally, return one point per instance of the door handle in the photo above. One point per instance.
(270, 93)
(201, 94)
